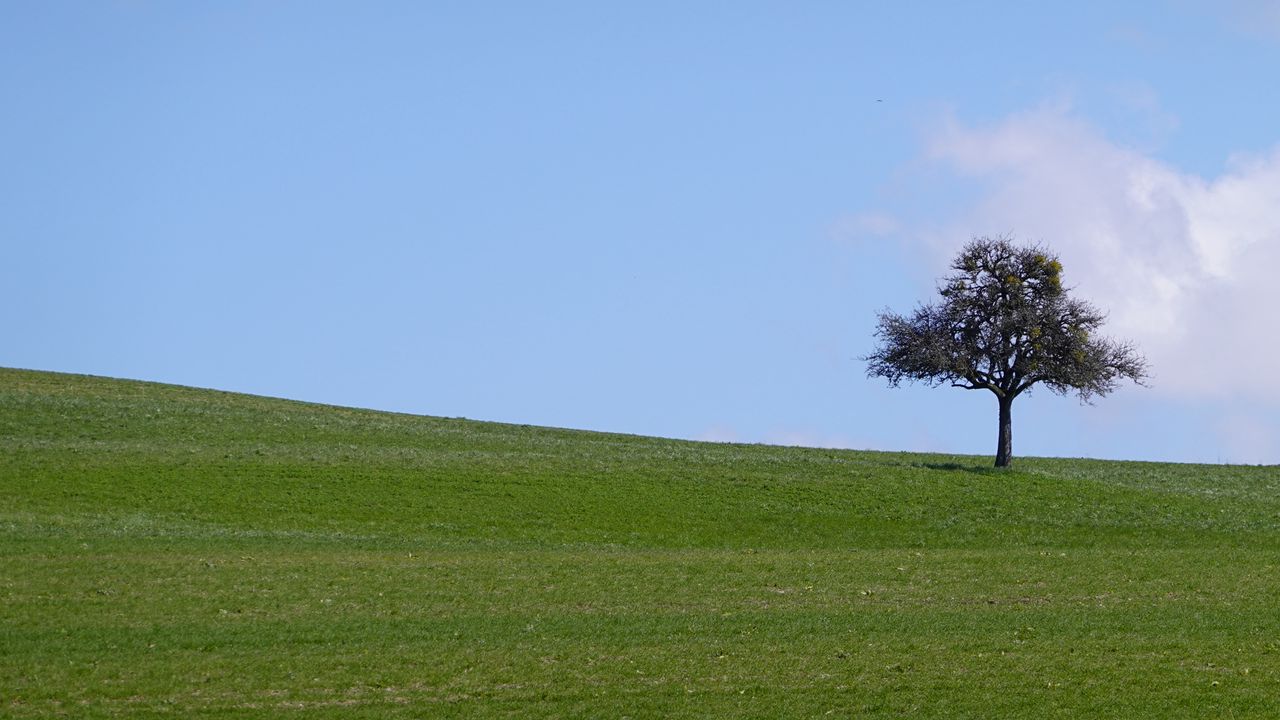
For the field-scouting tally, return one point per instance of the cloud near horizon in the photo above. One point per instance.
(1186, 265)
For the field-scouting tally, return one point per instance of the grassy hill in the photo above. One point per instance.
(167, 551)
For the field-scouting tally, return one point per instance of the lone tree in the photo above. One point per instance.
(1004, 324)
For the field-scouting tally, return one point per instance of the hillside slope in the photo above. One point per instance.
(172, 550)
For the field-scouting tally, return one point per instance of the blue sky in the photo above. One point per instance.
(676, 219)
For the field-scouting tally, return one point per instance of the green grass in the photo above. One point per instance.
(172, 552)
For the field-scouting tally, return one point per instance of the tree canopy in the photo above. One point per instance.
(1005, 323)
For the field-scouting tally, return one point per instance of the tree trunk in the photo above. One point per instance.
(1004, 445)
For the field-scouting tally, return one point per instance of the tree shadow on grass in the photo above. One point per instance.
(977, 465)
(975, 469)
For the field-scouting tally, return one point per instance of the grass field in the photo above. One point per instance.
(172, 552)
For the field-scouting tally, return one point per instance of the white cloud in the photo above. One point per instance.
(1254, 17)
(781, 436)
(806, 438)
(1247, 439)
(719, 434)
(865, 225)
(1186, 265)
